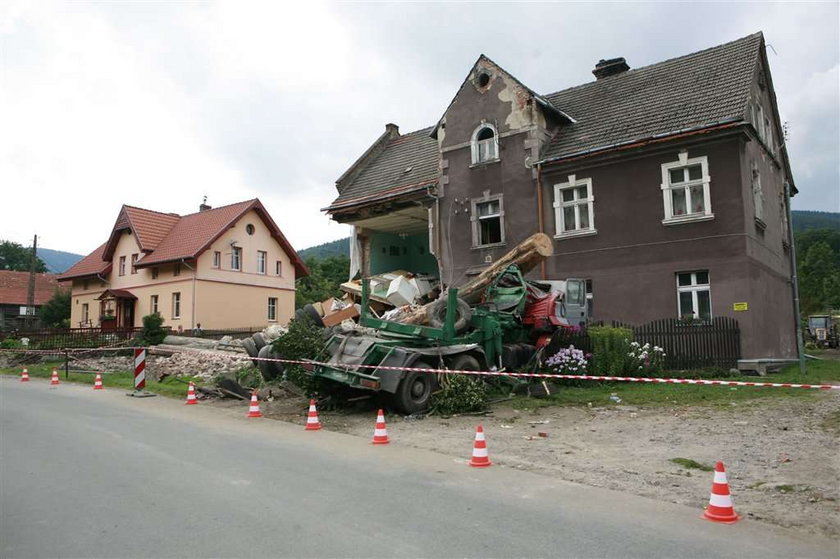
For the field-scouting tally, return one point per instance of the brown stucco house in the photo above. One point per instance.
(667, 187)
(227, 267)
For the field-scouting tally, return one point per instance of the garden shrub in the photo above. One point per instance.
(460, 394)
(153, 331)
(303, 340)
(610, 348)
(645, 360)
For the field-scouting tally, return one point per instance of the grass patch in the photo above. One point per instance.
(692, 464)
(785, 488)
(756, 485)
(832, 422)
(583, 393)
(171, 386)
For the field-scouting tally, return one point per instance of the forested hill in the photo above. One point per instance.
(805, 220)
(340, 247)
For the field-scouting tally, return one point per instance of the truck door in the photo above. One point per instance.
(576, 309)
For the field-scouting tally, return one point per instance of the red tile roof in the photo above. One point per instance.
(14, 287)
(172, 238)
(91, 265)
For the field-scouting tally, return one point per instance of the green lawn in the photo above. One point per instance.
(172, 387)
(582, 393)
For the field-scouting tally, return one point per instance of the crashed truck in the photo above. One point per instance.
(498, 321)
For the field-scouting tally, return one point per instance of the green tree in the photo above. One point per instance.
(817, 273)
(325, 277)
(56, 311)
(16, 257)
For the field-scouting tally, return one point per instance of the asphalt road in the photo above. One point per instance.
(97, 474)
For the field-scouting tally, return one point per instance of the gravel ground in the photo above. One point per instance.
(781, 456)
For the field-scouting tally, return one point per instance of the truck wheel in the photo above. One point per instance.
(251, 348)
(465, 362)
(414, 392)
(259, 340)
(269, 369)
(437, 314)
(313, 315)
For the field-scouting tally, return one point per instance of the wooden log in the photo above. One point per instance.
(527, 255)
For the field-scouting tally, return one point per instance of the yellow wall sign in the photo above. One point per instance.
(740, 306)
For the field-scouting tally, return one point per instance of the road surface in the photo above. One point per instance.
(88, 473)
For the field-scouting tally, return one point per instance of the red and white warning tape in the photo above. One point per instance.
(554, 376)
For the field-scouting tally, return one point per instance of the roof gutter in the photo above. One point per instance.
(639, 142)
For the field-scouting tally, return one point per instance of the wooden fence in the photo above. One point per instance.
(687, 345)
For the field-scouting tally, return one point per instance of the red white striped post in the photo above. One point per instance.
(139, 368)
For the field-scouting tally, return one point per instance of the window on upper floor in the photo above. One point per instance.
(685, 190)
(122, 265)
(236, 258)
(262, 257)
(217, 259)
(177, 269)
(488, 221)
(155, 273)
(574, 207)
(694, 296)
(278, 268)
(485, 144)
(134, 263)
(176, 305)
(758, 194)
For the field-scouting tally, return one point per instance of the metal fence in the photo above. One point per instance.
(687, 345)
(59, 338)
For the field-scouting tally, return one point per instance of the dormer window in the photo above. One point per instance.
(485, 144)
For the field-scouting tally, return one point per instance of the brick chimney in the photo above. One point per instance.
(610, 67)
(204, 207)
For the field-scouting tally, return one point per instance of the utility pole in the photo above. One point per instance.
(30, 295)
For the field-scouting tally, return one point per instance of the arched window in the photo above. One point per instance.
(485, 144)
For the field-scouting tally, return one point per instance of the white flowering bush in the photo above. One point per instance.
(569, 361)
(645, 359)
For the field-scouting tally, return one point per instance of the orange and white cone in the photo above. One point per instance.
(54, 377)
(312, 423)
(97, 383)
(720, 503)
(254, 409)
(24, 375)
(191, 400)
(380, 433)
(479, 455)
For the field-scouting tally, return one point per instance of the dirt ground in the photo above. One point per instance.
(781, 455)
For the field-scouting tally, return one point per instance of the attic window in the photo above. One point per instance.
(482, 79)
(485, 144)
(249, 229)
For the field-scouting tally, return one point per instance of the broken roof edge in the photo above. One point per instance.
(391, 131)
(662, 137)
(384, 195)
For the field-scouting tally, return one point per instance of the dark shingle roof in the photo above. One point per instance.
(693, 91)
(407, 163)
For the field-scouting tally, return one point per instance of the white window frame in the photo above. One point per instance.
(262, 259)
(667, 188)
(476, 221)
(757, 193)
(694, 289)
(217, 259)
(278, 268)
(153, 304)
(477, 146)
(236, 258)
(272, 309)
(573, 183)
(122, 265)
(176, 305)
(85, 313)
(134, 263)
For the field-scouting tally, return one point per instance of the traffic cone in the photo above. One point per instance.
(254, 409)
(720, 503)
(312, 423)
(97, 383)
(54, 377)
(380, 434)
(191, 395)
(479, 455)
(24, 375)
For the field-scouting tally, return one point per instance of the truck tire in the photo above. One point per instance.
(465, 362)
(313, 315)
(437, 314)
(300, 316)
(269, 369)
(259, 340)
(414, 392)
(251, 349)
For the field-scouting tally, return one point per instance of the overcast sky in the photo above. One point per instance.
(160, 104)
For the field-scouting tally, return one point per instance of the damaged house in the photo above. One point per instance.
(666, 187)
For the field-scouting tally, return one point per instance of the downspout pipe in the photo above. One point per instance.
(794, 280)
(540, 219)
(195, 273)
